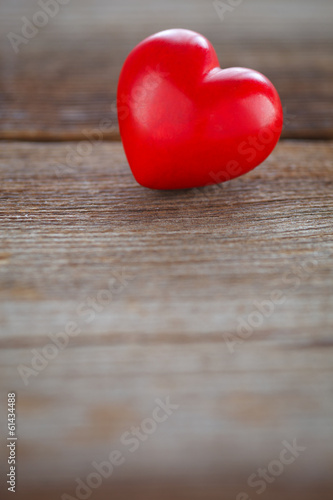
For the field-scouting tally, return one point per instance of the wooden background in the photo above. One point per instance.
(193, 263)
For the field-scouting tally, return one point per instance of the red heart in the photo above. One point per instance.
(184, 121)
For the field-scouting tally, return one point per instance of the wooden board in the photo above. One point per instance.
(183, 270)
(63, 81)
(114, 298)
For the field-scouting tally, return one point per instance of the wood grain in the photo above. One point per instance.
(63, 81)
(183, 269)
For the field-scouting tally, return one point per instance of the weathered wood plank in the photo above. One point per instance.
(192, 489)
(67, 228)
(183, 271)
(63, 81)
(235, 410)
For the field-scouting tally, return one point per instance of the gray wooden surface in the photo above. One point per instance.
(218, 298)
(64, 79)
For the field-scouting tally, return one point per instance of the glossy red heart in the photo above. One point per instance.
(184, 121)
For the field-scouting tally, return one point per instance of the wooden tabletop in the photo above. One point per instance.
(186, 336)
